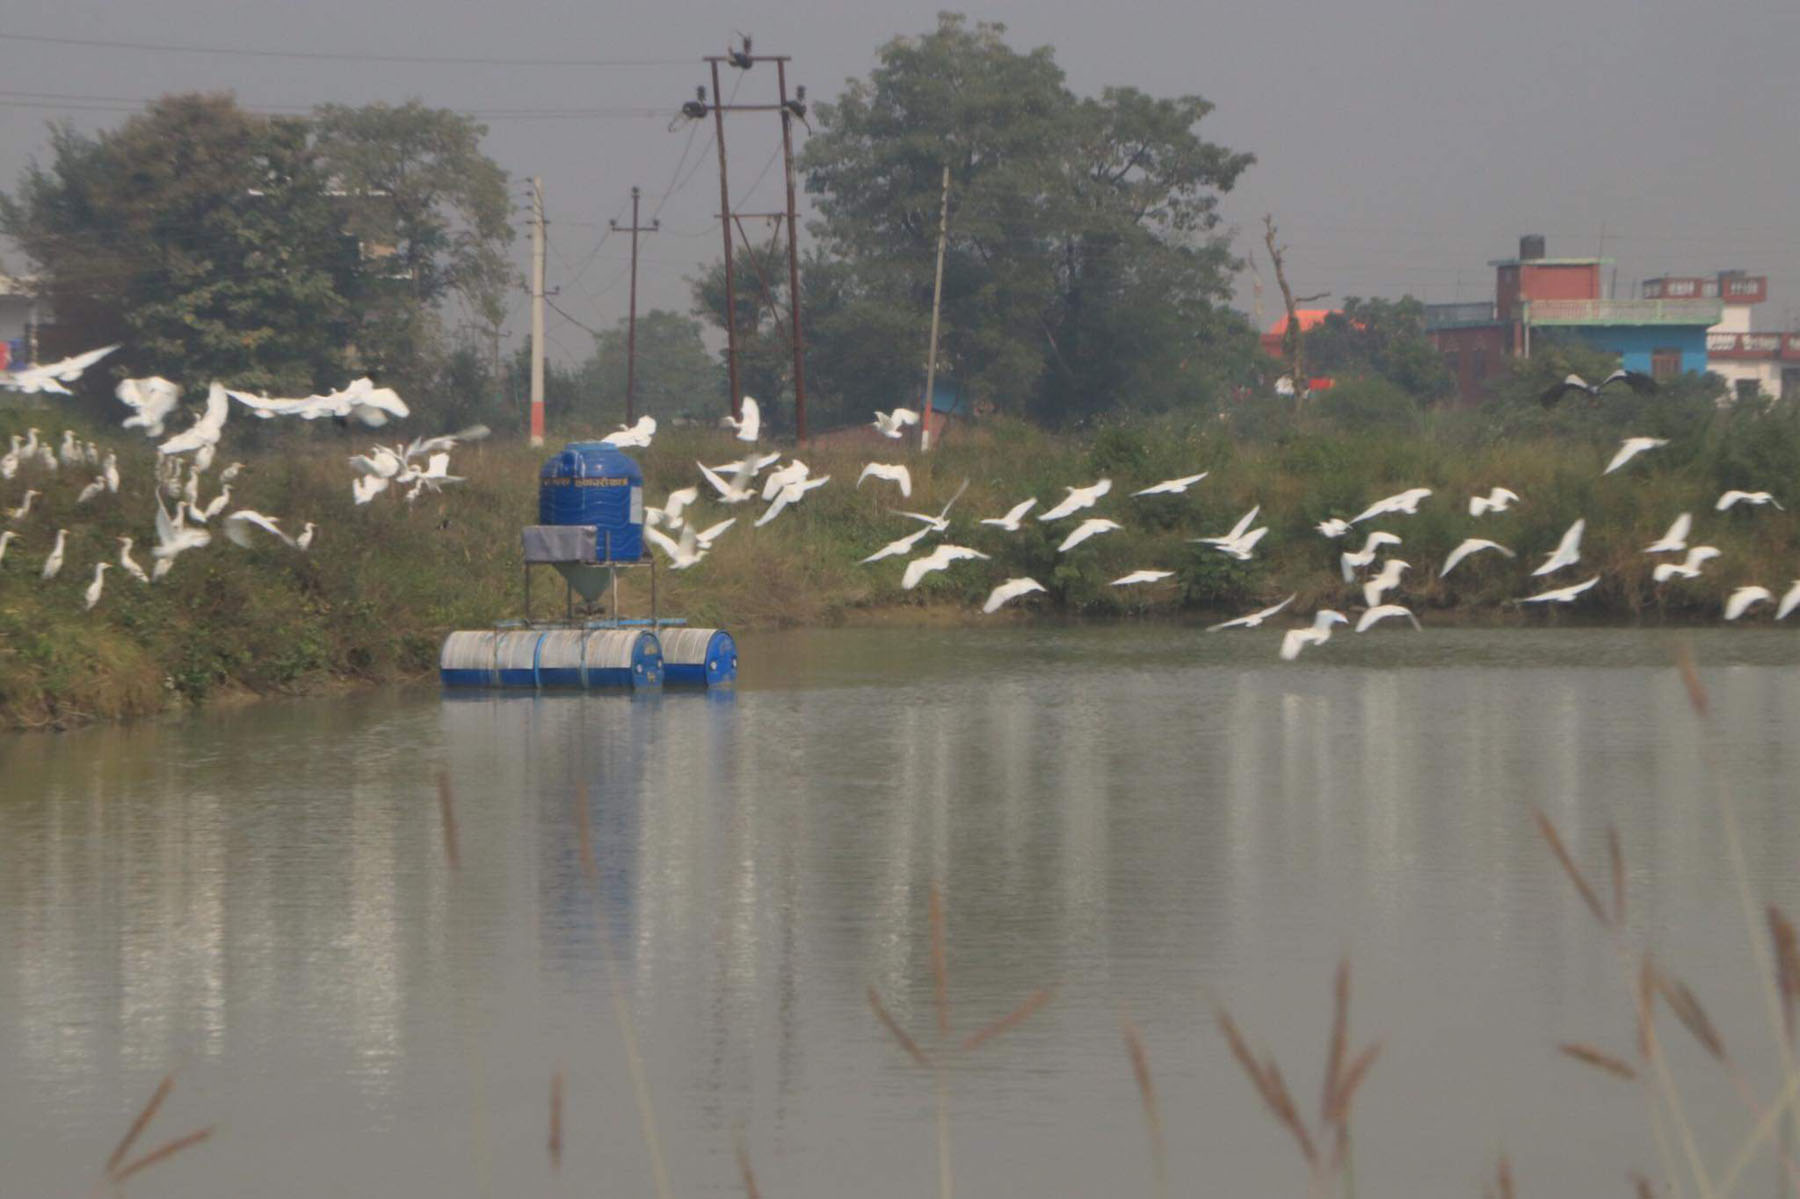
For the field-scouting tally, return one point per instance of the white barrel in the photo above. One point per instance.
(467, 659)
(698, 657)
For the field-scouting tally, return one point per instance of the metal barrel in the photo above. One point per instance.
(622, 658)
(699, 657)
(467, 659)
(552, 658)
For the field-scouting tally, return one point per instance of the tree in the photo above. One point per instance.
(1081, 261)
(764, 351)
(432, 217)
(675, 374)
(200, 235)
(1384, 338)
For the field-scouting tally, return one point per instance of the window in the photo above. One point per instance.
(1665, 363)
(1747, 390)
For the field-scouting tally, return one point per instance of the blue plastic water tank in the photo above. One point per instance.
(592, 483)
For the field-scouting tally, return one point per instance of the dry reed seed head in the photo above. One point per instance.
(1006, 1023)
(745, 1171)
(1690, 679)
(1599, 1059)
(447, 810)
(1338, 1115)
(138, 1124)
(940, 969)
(1503, 1179)
(893, 1026)
(1285, 1111)
(1615, 854)
(1686, 1006)
(1551, 838)
(1646, 1008)
(1340, 1034)
(1787, 964)
(556, 1121)
(162, 1153)
(1641, 1186)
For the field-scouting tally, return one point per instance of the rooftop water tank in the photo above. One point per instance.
(592, 483)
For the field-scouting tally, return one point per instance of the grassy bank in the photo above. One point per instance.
(383, 583)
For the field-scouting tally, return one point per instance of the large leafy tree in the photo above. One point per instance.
(675, 375)
(200, 235)
(1385, 338)
(1082, 272)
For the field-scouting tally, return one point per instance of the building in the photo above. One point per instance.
(1536, 296)
(1751, 363)
(19, 317)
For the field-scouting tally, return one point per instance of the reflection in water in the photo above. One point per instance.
(261, 899)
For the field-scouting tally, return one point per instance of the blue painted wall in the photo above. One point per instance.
(1634, 343)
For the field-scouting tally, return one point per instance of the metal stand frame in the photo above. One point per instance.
(614, 618)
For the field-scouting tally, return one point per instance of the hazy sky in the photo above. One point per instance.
(1400, 143)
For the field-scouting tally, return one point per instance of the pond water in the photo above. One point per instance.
(1148, 818)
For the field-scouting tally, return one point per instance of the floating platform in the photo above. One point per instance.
(623, 656)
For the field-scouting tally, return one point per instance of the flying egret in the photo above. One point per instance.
(1142, 576)
(364, 488)
(738, 490)
(1173, 486)
(903, 546)
(749, 425)
(1253, 620)
(1384, 581)
(432, 445)
(92, 489)
(1008, 591)
(216, 505)
(238, 525)
(129, 564)
(938, 559)
(705, 537)
(1349, 562)
(24, 508)
(1010, 522)
(890, 423)
(204, 433)
(1741, 600)
(793, 472)
(6, 539)
(676, 503)
(1406, 503)
(1238, 547)
(1567, 552)
(1789, 601)
(892, 473)
(757, 463)
(161, 567)
(173, 536)
(940, 522)
(1380, 612)
(1630, 448)
(92, 595)
(110, 471)
(1642, 384)
(305, 540)
(1092, 527)
(54, 562)
(1497, 500)
(1688, 568)
(682, 554)
(1237, 530)
(1471, 546)
(638, 434)
(1333, 527)
(1077, 499)
(1754, 498)
(51, 376)
(1675, 540)
(791, 494)
(151, 401)
(1560, 595)
(1295, 640)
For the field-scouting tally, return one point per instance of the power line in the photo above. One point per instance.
(577, 322)
(84, 103)
(342, 55)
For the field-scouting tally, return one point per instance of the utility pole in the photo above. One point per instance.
(788, 112)
(937, 299)
(537, 310)
(718, 111)
(631, 321)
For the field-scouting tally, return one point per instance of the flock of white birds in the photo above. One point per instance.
(184, 459)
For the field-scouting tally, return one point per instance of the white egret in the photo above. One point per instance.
(1384, 581)
(738, 490)
(161, 567)
(903, 546)
(1743, 598)
(1753, 498)
(1173, 486)
(757, 463)
(1008, 591)
(1333, 527)
(676, 503)
(1237, 530)
(439, 443)
(793, 472)
(1497, 500)
(364, 488)
(1253, 620)
(1641, 383)
(51, 376)
(1381, 612)
(938, 559)
(1238, 547)
(1142, 576)
(1561, 595)
(1406, 503)
(1092, 527)
(9, 461)
(940, 522)
(216, 505)
(1789, 601)
(1350, 561)
(1630, 448)
(890, 423)
(705, 537)
(6, 539)
(129, 564)
(893, 473)
(231, 472)
(47, 458)
(1295, 640)
(54, 562)
(110, 471)
(682, 554)
(749, 425)
(24, 508)
(791, 494)
(637, 434)
(92, 595)
(305, 540)
(91, 490)
(151, 401)
(1675, 540)
(1010, 522)
(173, 536)
(1077, 499)
(1567, 552)
(239, 523)
(1688, 568)
(69, 452)
(1471, 546)
(204, 433)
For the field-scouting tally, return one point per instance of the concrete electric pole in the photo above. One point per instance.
(631, 320)
(537, 310)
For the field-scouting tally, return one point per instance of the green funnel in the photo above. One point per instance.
(588, 581)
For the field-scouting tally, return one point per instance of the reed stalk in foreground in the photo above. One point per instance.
(118, 1169)
(1140, 1069)
(556, 1122)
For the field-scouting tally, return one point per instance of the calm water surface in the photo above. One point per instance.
(260, 899)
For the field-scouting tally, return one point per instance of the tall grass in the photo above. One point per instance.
(383, 583)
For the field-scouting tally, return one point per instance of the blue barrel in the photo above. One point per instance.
(699, 658)
(538, 658)
(592, 483)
